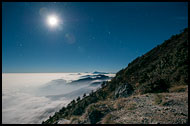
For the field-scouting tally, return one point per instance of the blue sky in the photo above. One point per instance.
(92, 36)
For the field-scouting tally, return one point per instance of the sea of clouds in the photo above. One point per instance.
(30, 98)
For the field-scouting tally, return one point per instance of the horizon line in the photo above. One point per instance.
(53, 72)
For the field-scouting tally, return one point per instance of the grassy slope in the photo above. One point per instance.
(162, 69)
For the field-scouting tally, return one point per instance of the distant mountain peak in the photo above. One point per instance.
(98, 72)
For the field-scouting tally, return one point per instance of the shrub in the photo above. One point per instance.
(103, 84)
(156, 86)
(78, 99)
(62, 110)
(78, 109)
(84, 95)
(108, 119)
(95, 115)
(158, 99)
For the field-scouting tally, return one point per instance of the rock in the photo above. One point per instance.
(125, 90)
(63, 121)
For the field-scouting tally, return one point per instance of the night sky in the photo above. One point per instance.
(88, 36)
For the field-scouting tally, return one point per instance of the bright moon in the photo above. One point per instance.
(52, 21)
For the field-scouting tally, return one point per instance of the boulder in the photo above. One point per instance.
(125, 90)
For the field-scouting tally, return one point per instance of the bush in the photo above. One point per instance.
(78, 99)
(120, 103)
(78, 110)
(103, 84)
(158, 99)
(144, 78)
(84, 95)
(156, 86)
(95, 115)
(62, 110)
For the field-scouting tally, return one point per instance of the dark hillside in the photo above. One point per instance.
(163, 69)
(158, 70)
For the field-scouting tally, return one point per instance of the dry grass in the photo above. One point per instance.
(96, 111)
(74, 119)
(160, 99)
(108, 119)
(125, 103)
(180, 88)
(119, 103)
(131, 106)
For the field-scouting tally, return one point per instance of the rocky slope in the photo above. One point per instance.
(150, 108)
(151, 89)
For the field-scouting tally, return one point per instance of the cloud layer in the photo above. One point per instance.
(32, 98)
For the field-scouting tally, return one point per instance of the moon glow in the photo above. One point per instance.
(52, 21)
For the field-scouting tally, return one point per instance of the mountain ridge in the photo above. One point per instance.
(164, 69)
